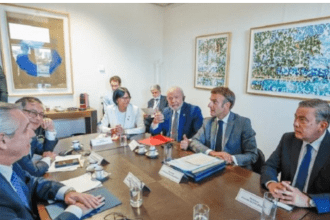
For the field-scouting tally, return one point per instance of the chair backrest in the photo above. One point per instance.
(256, 167)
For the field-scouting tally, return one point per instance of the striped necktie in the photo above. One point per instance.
(174, 130)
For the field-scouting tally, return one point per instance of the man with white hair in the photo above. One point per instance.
(158, 103)
(179, 119)
(19, 191)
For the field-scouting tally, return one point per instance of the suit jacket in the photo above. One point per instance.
(284, 160)
(190, 120)
(162, 103)
(161, 106)
(37, 147)
(239, 139)
(133, 121)
(11, 205)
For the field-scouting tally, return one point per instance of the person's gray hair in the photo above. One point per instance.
(175, 88)
(157, 87)
(8, 125)
(322, 107)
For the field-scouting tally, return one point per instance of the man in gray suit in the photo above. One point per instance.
(225, 135)
(158, 102)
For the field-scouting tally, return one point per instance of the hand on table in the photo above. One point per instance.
(89, 201)
(222, 155)
(293, 196)
(184, 143)
(86, 210)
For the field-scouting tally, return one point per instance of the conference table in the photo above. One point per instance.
(167, 199)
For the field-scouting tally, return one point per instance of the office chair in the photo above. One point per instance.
(256, 167)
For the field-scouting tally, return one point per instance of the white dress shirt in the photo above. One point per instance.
(224, 127)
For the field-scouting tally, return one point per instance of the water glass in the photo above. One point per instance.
(269, 207)
(123, 140)
(201, 212)
(136, 198)
(167, 153)
(76, 145)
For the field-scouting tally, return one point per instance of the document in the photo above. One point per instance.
(148, 111)
(82, 183)
(53, 169)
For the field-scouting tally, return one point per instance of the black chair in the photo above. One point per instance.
(256, 167)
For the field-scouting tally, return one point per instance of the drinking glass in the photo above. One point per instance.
(201, 212)
(269, 207)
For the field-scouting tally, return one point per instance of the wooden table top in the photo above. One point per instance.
(167, 199)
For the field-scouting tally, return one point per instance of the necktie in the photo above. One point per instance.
(175, 127)
(218, 144)
(303, 169)
(21, 188)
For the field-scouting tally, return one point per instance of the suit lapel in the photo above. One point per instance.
(213, 136)
(322, 156)
(230, 126)
(295, 148)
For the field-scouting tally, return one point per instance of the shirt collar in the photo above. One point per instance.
(317, 143)
(157, 97)
(225, 119)
(6, 171)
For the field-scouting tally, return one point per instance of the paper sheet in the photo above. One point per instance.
(53, 169)
(82, 183)
(199, 159)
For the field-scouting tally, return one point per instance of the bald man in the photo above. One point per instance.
(179, 119)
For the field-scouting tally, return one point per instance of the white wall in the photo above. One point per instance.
(270, 116)
(126, 38)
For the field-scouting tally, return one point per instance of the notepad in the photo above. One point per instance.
(111, 201)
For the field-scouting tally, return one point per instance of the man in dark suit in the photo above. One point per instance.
(44, 141)
(226, 135)
(303, 159)
(158, 103)
(179, 119)
(20, 192)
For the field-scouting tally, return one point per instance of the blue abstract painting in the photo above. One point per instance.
(212, 60)
(291, 60)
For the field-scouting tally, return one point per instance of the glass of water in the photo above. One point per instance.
(201, 212)
(135, 192)
(269, 207)
(167, 153)
(123, 140)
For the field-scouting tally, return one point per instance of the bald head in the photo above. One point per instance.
(175, 98)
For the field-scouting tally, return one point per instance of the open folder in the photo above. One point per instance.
(156, 140)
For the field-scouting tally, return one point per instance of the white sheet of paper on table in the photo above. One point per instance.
(82, 183)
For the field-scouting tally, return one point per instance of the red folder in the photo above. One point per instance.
(156, 140)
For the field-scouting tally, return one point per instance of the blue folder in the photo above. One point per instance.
(111, 201)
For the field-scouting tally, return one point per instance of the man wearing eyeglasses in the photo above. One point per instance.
(44, 141)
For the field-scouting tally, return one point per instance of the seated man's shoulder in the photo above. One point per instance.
(191, 108)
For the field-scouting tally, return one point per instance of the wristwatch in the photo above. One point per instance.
(311, 203)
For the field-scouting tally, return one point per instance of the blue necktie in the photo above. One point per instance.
(21, 188)
(218, 144)
(303, 169)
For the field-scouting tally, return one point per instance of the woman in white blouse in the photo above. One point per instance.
(122, 115)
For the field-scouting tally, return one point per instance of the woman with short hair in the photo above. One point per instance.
(122, 115)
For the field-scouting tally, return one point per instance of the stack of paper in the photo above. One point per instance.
(198, 166)
(82, 183)
(53, 169)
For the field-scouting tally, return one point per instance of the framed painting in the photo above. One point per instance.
(35, 51)
(212, 60)
(291, 60)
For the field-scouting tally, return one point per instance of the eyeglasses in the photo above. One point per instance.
(126, 98)
(118, 216)
(34, 114)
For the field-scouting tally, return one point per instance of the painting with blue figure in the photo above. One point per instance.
(291, 60)
(212, 60)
